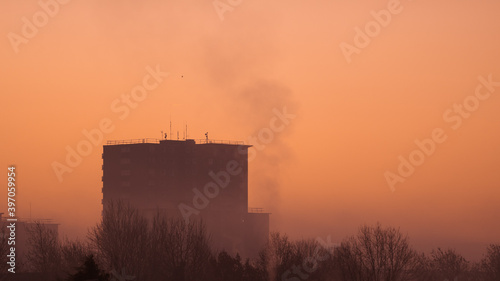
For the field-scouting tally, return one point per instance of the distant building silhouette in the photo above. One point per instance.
(22, 234)
(190, 179)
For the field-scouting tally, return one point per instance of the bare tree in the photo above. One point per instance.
(349, 261)
(378, 253)
(491, 263)
(43, 255)
(120, 239)
(312, 260)
(227, 268)
(305, 248)
(72, 255)
(283, 259)
(182, 249)
(161, 248)
(449, 264)
(277, 257)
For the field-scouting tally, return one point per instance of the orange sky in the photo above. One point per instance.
(324, 174)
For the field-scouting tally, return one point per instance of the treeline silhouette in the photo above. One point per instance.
(125, 245)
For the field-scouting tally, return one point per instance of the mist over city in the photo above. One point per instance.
(250, 140)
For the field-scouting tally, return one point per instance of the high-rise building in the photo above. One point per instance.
(190, 179)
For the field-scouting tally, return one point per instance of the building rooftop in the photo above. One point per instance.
(157, 141)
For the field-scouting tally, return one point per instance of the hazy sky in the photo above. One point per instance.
(325, 172)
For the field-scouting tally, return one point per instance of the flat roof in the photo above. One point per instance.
(158, 141)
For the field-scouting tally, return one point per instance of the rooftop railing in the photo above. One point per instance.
(205, 141)
(256, 210)
(156, 141)
(133, 141)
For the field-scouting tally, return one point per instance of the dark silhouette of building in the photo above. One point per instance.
(190, 179)
(22, 234)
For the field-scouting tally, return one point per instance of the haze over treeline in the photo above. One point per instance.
(324, 173)
(159, 248)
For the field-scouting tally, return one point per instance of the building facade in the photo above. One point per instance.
(190, 179)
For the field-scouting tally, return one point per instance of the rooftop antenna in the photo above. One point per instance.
(170, 126)
(30, 211)
(206, 135)
(161, 134)
(186, 130)
(177, 135)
